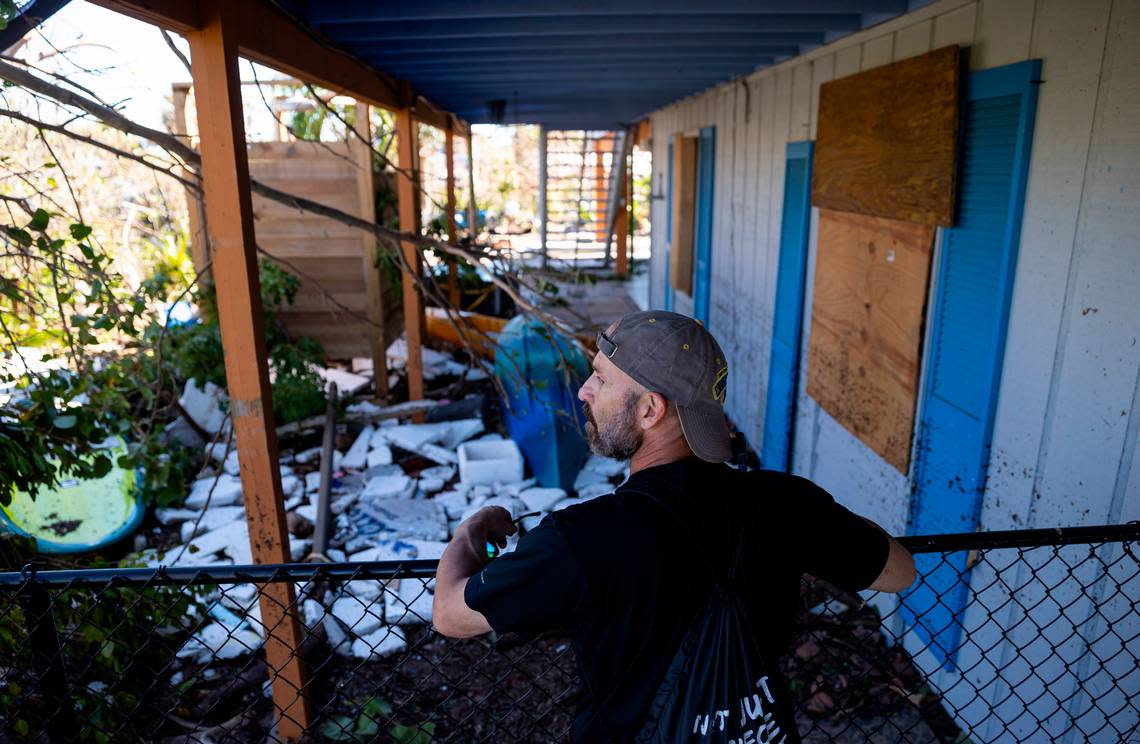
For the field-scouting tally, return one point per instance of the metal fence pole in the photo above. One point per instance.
(35, 601)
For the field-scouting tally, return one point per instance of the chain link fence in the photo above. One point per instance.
(1015, 636)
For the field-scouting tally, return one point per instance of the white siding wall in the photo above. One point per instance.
(1065, 437)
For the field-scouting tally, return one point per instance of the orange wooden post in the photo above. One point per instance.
(601, 229)
(361, 147)
(452, 232)
(472, 205)
(229, 216)
(407, 183)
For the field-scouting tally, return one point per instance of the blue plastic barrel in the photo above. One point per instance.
(541, 371)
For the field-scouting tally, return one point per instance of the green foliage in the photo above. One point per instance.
(8, 11)
(366, 726)
(112, 672)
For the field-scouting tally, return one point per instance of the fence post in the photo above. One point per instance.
(47, 656)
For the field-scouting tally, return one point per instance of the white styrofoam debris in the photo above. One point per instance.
(307, 456)
(383, 642)
(204, 405)
(364, 589)
(358, 615)
(215, 641)
(607, 466)
(442, 472)
(513, 489)
(476, 373)
(233, 538)
(182, 432)
(563, 504)
(336, 635)
(225, 493)
(387, 486)
(541, 499)
(312, 612)
(529, 523)
(308, 511)
(357, 455)
(295, 501)
(513, 505)
(365, 408)
(385, 550)
(291, 486)
(412, 436)
(427, 550)
(493, 436)
(340, 504)
(413, 518)
(168, 517)
(380, 455)
(589, 477)
(453, 501)
(484, 462)
(409, 603)
(313, 481)
(594, 490)
(347, 383)
(439, 454)
(299, 547)
(457, 432)
(337, 556)
(211, 519)
(428, 486)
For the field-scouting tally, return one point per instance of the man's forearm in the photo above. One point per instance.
(450, 614)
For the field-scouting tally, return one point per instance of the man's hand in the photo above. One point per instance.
(464, 557)
(491, 524)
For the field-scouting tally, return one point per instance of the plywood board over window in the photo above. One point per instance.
(871, 282)
(887, 140)
(684, 213)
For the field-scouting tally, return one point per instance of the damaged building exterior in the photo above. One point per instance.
(1028, 319)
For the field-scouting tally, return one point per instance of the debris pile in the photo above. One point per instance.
(398, 490)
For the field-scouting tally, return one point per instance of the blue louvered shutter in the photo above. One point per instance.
(968, 330)
(783, 368)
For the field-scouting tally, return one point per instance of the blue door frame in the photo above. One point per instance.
(968, 331)
(703, 224)
(784, 366)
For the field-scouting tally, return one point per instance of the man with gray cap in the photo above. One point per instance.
(624, 575)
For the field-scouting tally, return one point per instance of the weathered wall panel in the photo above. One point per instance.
(866, 331)
(887, 139)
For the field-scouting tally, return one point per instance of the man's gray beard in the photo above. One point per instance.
(621, 438)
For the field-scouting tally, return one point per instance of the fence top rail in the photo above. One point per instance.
(425, 569)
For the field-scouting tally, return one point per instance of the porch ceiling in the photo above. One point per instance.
(577, 64)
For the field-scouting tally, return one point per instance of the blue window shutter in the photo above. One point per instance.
(968, 330)
(703, 224)
(783, 368)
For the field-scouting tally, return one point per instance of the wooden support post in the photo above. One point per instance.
(452, 231)
(407, 183)
(472, 205)
(225, 179)
(373, 280)
(622, 232)
(543, 214)
(601, 229)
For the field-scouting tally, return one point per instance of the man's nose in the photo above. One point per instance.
(583, 392)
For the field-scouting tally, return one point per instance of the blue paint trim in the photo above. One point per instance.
(669, 230)
(703, 224)
(936, 605)
(787, 321)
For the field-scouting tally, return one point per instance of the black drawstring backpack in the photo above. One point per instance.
(719, 686)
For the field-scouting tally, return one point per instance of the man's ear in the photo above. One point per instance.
(654, 408)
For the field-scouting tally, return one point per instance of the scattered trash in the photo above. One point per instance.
(485, 462)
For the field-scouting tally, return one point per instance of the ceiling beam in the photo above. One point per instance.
(609, 40)
(590, 26)
(477, 68)
(32, 15)
(267, 35)
(451, 10)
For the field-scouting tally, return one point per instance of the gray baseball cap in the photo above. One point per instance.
(675, 356)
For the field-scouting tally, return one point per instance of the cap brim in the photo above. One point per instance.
(706, 430)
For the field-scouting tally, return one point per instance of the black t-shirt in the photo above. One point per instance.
(623, 579)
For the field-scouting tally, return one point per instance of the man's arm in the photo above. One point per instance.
(898, 572)
(464, 557)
